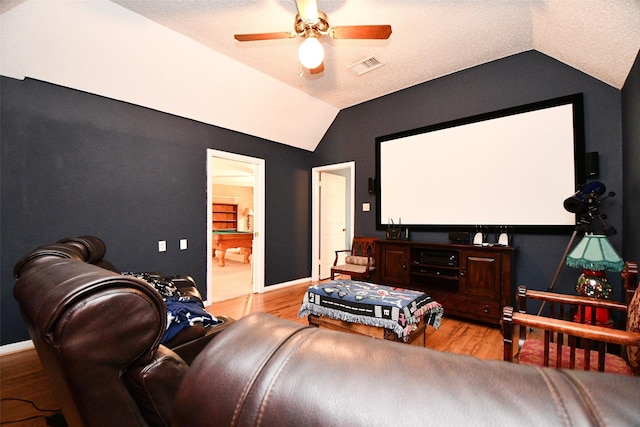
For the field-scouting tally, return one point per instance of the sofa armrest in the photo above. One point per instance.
(120, 320)
(580, 330)
(190, 349)
(187, 286)
(566, 306)
(563, 341)
(154, 385)
(577, 300)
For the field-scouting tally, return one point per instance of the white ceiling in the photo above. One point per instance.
(181, 57)
(431, 38)
(232, 172)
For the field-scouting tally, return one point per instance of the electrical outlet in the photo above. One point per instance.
(183, 244)
(366, 207)
(162, 246)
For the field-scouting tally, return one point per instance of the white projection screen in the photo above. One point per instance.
(512, 167)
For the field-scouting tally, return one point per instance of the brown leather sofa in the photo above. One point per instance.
(266, 371)
(98, 332)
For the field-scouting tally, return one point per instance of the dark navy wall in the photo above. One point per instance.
(509, 82)
(631, 161)
(75, 163)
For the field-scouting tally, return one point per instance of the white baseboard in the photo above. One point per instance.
(16, 347)
(285, 284)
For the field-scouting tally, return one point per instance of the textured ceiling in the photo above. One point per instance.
(430, 38)
(180, 57)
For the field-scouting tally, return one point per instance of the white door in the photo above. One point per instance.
(348, 170)
(233, 184)
(245, 168)
(332, 219)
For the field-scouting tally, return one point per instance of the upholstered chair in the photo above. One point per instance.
(359, 262)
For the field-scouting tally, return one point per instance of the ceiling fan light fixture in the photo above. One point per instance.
(311, 53)
(310, 17)
(311, 24)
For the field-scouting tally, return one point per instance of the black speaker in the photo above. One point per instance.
(372, 185)
(592, 164)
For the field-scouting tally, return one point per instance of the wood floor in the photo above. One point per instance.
(22, 376)
(453, 336)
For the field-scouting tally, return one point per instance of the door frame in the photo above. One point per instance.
(315, 209)
(257, 256)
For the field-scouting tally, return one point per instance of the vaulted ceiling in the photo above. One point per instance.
(181, 57)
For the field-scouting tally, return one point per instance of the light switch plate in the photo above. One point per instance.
(162, 246)
(183, 244)
(366, 207)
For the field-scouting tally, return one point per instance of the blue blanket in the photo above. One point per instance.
(183, 312)
(370, 304)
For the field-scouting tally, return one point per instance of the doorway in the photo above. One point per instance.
(332, 215)
(235, 224)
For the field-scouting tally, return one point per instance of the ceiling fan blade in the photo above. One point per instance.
(319, 69)
(264, 36)
(360, 32)
(308, 11)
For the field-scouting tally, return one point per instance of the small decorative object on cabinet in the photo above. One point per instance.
(472, 282)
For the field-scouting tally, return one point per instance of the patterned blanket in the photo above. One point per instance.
(375, 305)
(182, 311)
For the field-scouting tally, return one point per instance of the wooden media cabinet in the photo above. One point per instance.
(470, 281)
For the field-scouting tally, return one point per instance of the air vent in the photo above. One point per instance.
(365, 65)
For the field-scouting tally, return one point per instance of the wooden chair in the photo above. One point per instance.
(360, 261)
(571, 328)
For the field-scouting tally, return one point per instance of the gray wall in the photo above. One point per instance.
(516, 80)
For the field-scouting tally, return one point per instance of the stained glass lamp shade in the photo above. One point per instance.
(594, 254)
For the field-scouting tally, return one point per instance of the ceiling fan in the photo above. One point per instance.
(311, 24)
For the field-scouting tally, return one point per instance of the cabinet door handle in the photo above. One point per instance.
(404, 267)
(486, 308)
(462, 273)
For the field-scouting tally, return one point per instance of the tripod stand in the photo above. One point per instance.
(584, 224)
(562, 261)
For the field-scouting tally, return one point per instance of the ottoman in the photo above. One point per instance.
(378, 311)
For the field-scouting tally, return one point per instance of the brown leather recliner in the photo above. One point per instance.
(98, 332)
(266, 371)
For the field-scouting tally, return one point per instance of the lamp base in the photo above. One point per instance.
(594, 284)
(602, 317)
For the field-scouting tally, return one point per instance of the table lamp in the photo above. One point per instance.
(594, 254)
(248, 212)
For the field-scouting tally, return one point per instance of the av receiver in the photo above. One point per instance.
(433, 257)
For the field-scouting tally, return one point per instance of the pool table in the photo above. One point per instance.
(224, 239)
